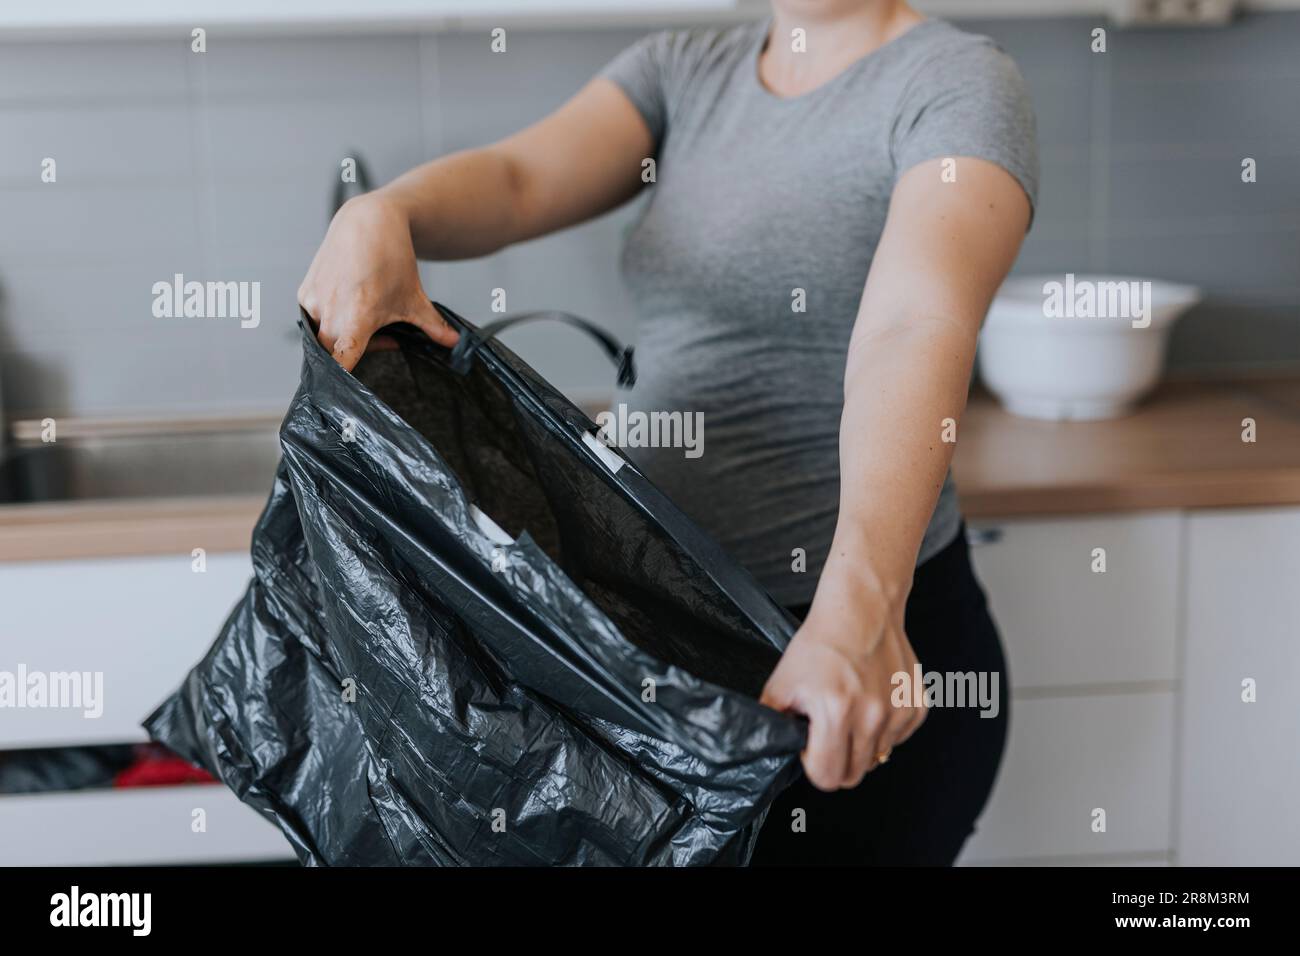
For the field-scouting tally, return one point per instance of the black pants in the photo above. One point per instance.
(920, 807)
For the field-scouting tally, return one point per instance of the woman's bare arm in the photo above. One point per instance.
(945, 249)
(582, 160)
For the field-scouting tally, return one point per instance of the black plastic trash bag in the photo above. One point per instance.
(476, 635)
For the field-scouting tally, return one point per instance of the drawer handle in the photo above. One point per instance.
(981, 537)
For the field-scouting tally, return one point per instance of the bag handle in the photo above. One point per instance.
(471, 339)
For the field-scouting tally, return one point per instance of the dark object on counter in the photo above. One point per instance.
(153, 765)
(55, 769)
(572, 680)
(51, 769)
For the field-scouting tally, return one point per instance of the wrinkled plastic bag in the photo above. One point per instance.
(475, 635)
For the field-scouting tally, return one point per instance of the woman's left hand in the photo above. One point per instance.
(838, 672)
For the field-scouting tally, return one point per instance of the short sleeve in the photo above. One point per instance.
(642, 72)
(969, 101)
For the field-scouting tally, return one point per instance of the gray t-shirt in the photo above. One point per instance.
(756, 197)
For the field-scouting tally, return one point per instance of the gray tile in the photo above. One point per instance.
(295, 67)
(279, 271)
(1258, 44)
(466, 286)
(1041, 45)
(1204, 184)
(145, 70)
(1062, 111)
(133, 375)
(276, 114)
(554, 58)
(75, 304)
(306, 139)
(575, 271)
(1221, 332)
(68, 224)
(1193, 108)
(139, 143)
(430, 98)
(486, 95)
(1064, 195)
(285, 214)
(1251, 266)
(1040, 254)
(262, 365)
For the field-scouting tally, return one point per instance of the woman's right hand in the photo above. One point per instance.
(364, 277)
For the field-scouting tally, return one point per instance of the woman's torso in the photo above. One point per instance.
(747, 266)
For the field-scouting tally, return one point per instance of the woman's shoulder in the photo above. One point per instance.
(960, 94)
(945, 53)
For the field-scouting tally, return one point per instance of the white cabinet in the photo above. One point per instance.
(1069, 758)
(1127, 693)
(1093, 661)
(1127, 688)
(1240, 761)
(134, 625)
(152, 825)
(1067, 625)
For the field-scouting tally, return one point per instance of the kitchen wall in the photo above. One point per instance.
(220, 165)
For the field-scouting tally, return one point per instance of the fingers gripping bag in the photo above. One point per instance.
(476, 635)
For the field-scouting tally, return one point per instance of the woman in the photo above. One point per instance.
(838, 193)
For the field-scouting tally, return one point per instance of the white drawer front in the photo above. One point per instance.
(1241, 760)
(135, 826)
(141, 623)
(1063, 623)
(1068, 756)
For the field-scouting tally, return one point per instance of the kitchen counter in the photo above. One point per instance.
(136, 487)
(1181, 449)
(102, 529)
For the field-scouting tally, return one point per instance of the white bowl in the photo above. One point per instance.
(1072, 347)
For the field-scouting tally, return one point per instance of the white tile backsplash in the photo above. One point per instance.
(74, 226)
(220, 165)
(88, 71)
(257, 69)
(114, 143)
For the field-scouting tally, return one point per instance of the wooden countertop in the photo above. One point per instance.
(1181, 449)
(122, 527)
(103, 529)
